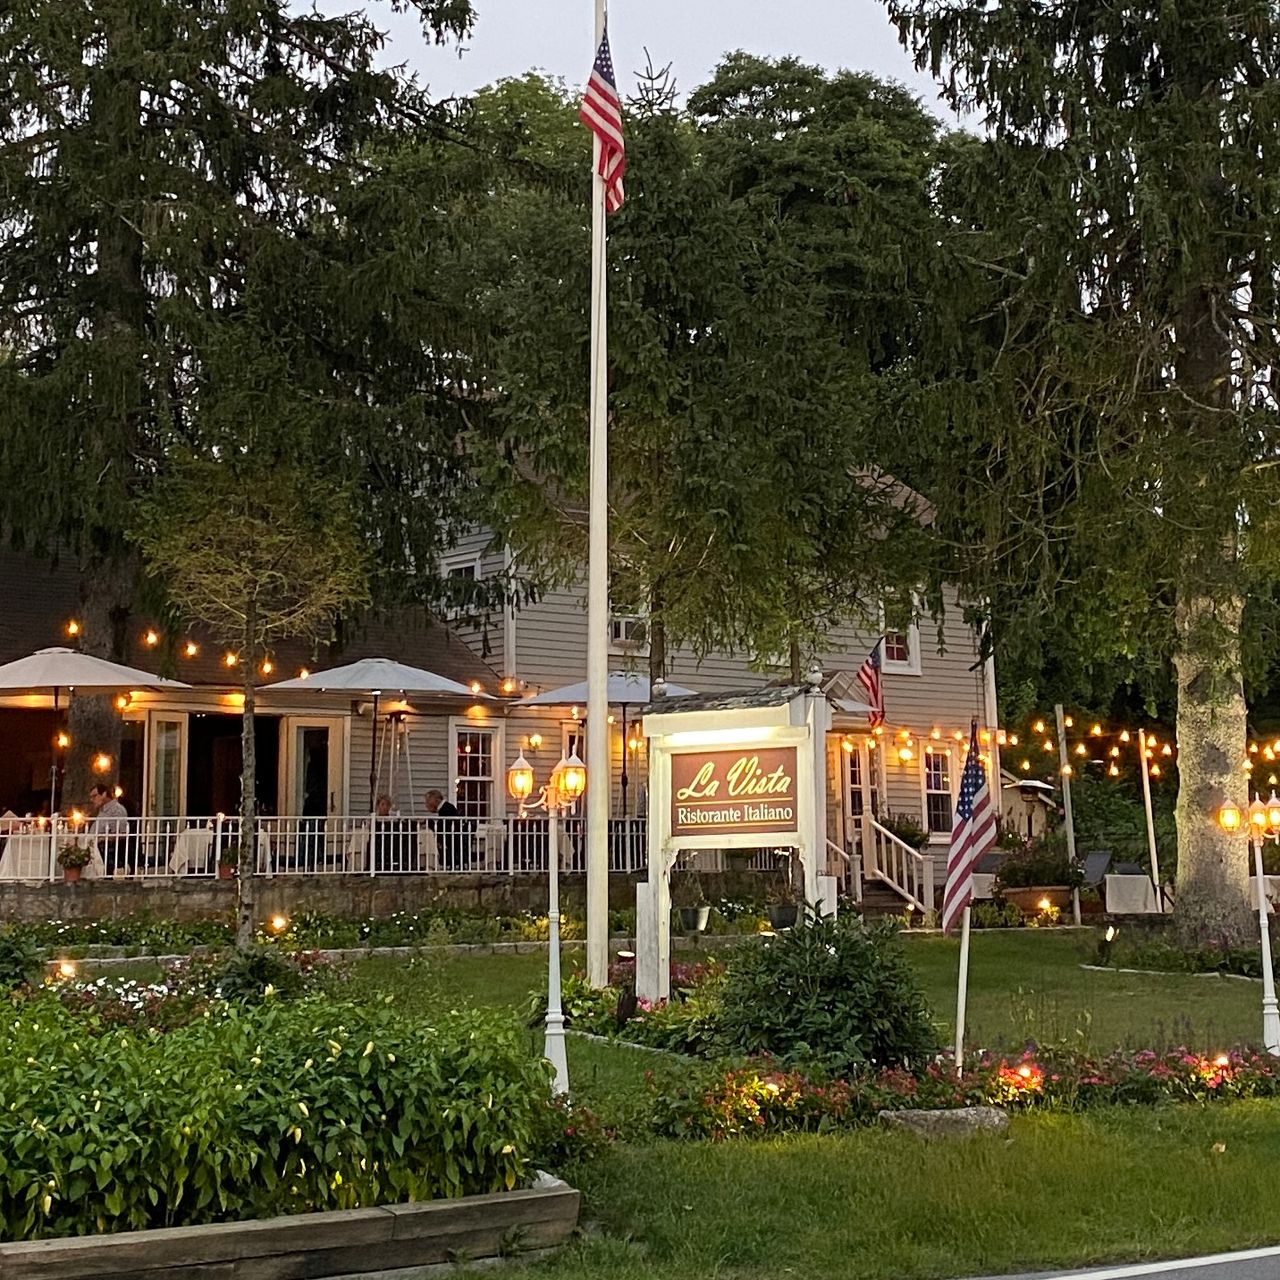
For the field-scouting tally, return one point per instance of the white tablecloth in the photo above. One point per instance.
(983, 886)
(25, 857)
(1131, 896)
(192, 851)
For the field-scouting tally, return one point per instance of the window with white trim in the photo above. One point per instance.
(628, 632)
(475, 756)
(937, 791)
(901, 651)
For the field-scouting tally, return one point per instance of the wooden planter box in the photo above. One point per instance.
(313, 1246)
(1028, 899)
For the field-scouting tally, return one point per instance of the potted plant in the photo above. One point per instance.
(906, 828)
(227, 860)
(781, 903)
(688, 898)
(73, 858)
(1039, 877)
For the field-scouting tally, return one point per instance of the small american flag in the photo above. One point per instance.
(973, 833)
(601, 112)
(869, 679)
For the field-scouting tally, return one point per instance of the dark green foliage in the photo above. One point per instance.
(280, 1109)
(20, 959)
(1044, 861)
(837, 993)
(258, 974)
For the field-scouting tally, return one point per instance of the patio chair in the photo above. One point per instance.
(1095, 867)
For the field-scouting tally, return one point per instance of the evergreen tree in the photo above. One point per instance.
(188, 224)
(1098, 423)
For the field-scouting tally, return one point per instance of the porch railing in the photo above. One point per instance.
(161, 848)
(905, 870)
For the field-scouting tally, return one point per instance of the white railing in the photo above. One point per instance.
(907, 871)
(847, 869)
(161, 848)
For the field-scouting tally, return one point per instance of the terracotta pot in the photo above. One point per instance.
(71, 874)
(225, 871)
(1030, 899)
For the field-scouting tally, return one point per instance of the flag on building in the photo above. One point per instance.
(601, 112)
(973, 833)
(869, 679)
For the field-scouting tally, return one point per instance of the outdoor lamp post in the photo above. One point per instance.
(567, 783)
(1263, 821)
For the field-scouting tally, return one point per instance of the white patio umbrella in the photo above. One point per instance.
(60, 668)
(374, 677)
(625, 689)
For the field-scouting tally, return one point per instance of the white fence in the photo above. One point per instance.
(161, 848)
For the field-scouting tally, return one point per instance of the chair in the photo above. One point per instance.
(1095, 868)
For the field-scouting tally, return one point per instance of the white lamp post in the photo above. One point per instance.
(1263, 821)
(568, 782)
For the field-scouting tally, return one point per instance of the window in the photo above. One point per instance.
(901, 635)
(627, 632)
(937, 791)
(863, 782)
(475, 756)
(470, 572)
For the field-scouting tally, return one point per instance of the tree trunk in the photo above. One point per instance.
(1212, 902)
(793, 660)
(657, 639)
(93, 722)
(246, 883)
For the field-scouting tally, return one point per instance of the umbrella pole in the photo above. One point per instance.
(53, 772)
(373, 758)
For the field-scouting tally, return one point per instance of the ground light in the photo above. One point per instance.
(1260, 827)
(278, 923)
(567, 783)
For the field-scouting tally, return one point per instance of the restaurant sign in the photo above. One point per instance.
(741, 792)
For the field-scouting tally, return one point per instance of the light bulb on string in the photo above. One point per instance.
(1048, 744)
(1124, 735)
(1096, 731)
(1082, 750)
(1069, 722)
(1114, 771)
(1115, 751)
(1038, 727)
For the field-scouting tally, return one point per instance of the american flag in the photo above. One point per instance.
(601, 112)
(973, 833)
(869, 679)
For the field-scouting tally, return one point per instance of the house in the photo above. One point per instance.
(179, 763)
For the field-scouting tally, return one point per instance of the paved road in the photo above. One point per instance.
(1251, 1264)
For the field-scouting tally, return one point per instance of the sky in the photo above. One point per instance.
(555, 36)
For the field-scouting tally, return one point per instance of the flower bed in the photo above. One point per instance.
(742, 1101)
(244, 1113)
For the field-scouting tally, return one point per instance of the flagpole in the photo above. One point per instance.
(962, 991)
(599, 788)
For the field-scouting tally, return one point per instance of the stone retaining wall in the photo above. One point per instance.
(319, 1246)
(191, 898)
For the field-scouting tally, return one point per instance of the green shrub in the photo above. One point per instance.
(281, 1108)
(20, 959)
(996, 915)
(837, 993)
(1044, 861)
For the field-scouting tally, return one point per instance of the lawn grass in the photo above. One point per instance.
(1058, 1190)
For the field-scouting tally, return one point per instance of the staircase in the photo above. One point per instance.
(880, 901)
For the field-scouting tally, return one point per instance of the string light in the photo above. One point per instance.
(1115, 751)
(1048, 744)
(1082, 750)
(1026, 766)
(1068, 722)
(1114, 771)
(1096, 731)
(101, 762)
(1124, 735)
(122, 700)
(73, 627)
(230, 659)
(267, 666)
(508, 685)
(304, 674)
(1038, 727)
(191, 648)
(476, 686)
(1013, 739)
(63, 740)
(935, 734)
(1067, 771)
(151, 638)
(1155, 770)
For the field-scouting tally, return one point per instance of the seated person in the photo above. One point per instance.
(110, 830)
(395, 845)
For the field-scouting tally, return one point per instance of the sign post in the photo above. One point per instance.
(746, 773)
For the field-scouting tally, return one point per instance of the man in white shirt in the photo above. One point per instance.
(110, 829)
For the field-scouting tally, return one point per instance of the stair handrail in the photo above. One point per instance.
(907, 871)
(852, 867)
